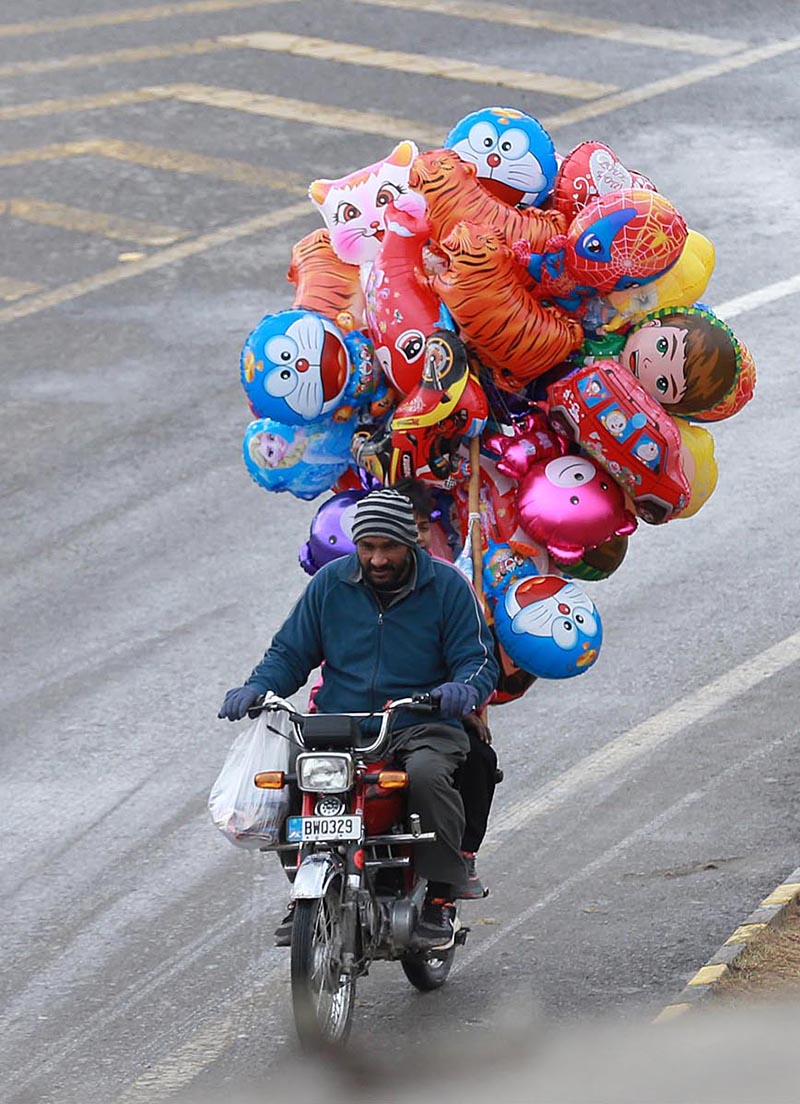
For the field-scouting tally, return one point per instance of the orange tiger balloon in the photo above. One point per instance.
(453, 194)
(485, 290)
(325, 283)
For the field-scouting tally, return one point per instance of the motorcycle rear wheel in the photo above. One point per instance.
(323, 998)
(430, 971)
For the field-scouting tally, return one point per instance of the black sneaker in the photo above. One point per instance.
(473, 889)
(283, 932)
(437, 926)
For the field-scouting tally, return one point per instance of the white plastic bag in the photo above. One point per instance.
(248, 816)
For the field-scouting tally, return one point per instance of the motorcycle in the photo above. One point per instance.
(356, 896)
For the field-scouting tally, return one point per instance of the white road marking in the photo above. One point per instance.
(612, 853)
(644, 92)
(189, 1060)
(626, 750)
(568, 23)
(45, 1061)
(761, 297)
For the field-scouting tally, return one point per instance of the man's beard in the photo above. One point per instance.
(392, 579)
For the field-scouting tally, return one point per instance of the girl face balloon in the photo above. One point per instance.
(304, 460)
(295, 367)
(513, 153)
(548, 626)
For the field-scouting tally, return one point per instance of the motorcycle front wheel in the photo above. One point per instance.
(323, 998)
(428, 972)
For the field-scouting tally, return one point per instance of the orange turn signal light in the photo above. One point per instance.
(270, 780)
(392, 780)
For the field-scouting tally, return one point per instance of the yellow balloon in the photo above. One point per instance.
(699, 465)
(683, 285)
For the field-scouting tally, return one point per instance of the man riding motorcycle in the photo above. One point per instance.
(389, 621)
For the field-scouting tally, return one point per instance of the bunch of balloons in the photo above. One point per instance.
(545, 306)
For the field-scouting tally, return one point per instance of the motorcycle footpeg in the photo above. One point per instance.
(461, 935)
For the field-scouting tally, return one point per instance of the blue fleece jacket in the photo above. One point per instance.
(435, 634)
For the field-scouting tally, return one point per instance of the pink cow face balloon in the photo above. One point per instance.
(570, 506)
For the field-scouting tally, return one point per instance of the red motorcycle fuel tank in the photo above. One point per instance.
(382, 808)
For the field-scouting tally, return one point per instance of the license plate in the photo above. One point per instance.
(308, 829)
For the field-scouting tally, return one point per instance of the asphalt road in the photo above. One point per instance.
(143, 573)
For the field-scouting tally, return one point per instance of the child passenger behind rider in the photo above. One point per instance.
(477, 777)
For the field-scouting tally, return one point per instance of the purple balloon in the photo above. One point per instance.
(331, 531)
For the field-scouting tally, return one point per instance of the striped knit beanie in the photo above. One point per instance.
(386, 513)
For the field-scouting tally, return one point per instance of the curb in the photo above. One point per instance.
(769, 912)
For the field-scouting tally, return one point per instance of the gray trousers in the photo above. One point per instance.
(430, 754)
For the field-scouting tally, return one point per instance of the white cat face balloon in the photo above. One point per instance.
(354, 206)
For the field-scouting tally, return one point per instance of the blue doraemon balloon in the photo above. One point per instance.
(304, 460)
(298, 368)
(547, 625)
(514, 155)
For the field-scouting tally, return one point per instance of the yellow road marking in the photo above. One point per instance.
(178, 1069)
(81, 103)
(783, 895)
(182, 161)
(52, 152)
(303, 111)
(115, 227)
(745, 932)
(11, 290)
(706, 974)
(130, 15)
(369, 123)
(671, 1012)
(113, 57)
(170, 255)
(234, 99)
(661, 38)
(159, 157)
(348, 53)
(607, 104)
(322, 49)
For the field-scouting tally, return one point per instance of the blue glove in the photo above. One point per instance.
(455, 699)
(238, 701)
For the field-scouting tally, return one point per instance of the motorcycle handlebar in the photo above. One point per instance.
(418, 703)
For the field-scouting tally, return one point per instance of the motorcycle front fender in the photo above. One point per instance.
(314, 875)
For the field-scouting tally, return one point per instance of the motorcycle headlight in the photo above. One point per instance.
(330, 773)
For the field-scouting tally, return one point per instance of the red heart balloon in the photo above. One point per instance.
(592, 169)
